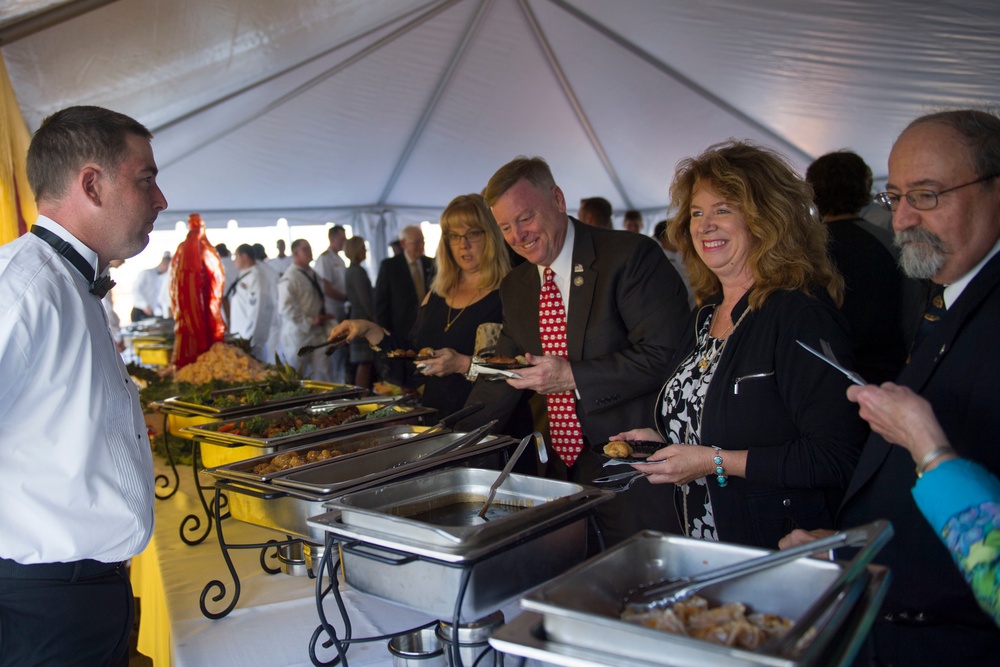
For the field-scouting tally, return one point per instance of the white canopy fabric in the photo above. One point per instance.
(378, 112)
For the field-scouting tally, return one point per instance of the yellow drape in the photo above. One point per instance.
(17, 203)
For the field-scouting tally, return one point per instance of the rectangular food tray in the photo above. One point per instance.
(319, 391)
(582, 607)
(209, 433)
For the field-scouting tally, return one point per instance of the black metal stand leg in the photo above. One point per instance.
(220, 586)
(191, 524)
(329, 566)
(162, 481)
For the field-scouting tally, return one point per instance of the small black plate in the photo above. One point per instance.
(640, 450)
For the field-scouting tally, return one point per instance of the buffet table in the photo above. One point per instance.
(274, 618)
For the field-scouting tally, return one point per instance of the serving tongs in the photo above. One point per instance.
(331, 344)
(543, 456)
(668, 591)
(322, 408)
(825, 614)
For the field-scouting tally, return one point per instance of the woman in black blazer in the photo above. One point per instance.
(761, 437)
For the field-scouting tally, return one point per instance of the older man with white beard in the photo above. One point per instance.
(944, 194)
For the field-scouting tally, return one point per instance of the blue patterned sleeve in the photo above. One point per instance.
(961, 500)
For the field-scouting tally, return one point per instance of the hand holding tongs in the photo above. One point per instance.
(331, 344)
(668, 591)
(828, 356)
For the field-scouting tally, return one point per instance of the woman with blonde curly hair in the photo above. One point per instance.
(471, 260)
(759, 436)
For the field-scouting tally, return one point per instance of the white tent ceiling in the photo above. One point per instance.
(318, 110)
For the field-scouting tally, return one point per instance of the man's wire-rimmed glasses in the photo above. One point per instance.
(920, 199)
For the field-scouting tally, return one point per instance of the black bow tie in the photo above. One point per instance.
(98, 287)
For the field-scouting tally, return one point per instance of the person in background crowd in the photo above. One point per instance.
(758, 435)
(596, 212)
(251, 306)
(945, 202)
(331, 269)
(674, 257)
(282, 261)
(616, 309)
(146, 293)
(842, 186)
(229, 270)
(396, 247)
(303, 316)
(633, 221)
(361, 297)
(402, 283)
(270, 276)
(76, 472)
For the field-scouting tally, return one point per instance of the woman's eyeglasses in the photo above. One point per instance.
(472, 236)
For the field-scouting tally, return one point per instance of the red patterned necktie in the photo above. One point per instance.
(564, 428)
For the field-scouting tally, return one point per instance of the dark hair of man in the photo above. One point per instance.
(633, 214)
(297, 243)
(259, 253)
(336, 229)
(981, 132)
(659, 230)
(601, 210)
(222, 250)
(532, 169)
(246, 250)
(69, 139)
(841, 183)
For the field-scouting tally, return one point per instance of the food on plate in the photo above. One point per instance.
(426, 352)
(401, 354)
(618, 449)
(294, 460)
(728, 624)
(519, 360)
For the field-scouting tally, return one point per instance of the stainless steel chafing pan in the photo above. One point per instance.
(285, 502)
(581, 608)
(390, 553)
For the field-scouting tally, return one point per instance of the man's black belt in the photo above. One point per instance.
(75, 571)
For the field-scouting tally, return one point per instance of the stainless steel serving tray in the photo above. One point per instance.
(581, 608)
(209, 432)
(428, 566)
(390, 510)
(286, 507)
(349, 445)
(319, 391)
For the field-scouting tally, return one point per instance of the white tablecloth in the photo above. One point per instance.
(274, 618)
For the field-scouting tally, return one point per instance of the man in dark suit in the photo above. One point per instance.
(402, 283)
(945, 199)
(623, 310)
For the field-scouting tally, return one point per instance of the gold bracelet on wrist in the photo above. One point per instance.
(931, 457)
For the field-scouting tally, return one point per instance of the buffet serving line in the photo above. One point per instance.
(412, 549)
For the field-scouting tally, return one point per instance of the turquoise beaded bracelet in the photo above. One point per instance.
(720, 472)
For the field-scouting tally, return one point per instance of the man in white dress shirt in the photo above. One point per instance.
(146, 301)
(282, 261)
(76, 474)
(251, 306)
(332, 270)
(303, 316)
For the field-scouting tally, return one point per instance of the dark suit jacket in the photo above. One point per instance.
(396, 301)
(872, 300)
(625, 321)
(957, 368)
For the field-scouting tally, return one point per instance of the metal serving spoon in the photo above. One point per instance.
(505, 473)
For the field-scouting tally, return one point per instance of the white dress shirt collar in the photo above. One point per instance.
(89, 255)
(954, 290)
(562, 266)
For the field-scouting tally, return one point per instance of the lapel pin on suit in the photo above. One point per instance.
(578, 268)
(578, 281)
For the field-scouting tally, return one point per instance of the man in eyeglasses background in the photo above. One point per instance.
(944, 193)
